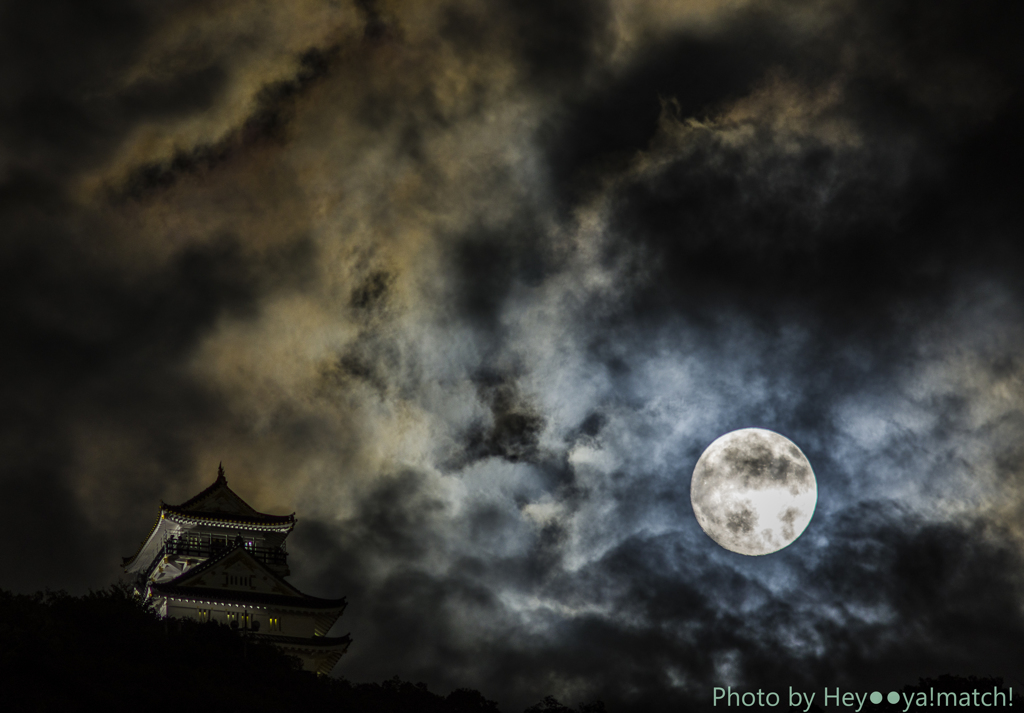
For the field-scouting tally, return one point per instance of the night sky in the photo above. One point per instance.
(470, 286)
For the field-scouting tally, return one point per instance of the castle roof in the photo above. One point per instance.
(254, 584)
(206, 594)
(326, 649)
(216, 506)
(220, 503)
(301, 642)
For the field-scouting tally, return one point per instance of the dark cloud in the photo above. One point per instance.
(192, 91)
(822, 228)
(875, 561)
(267, 123)
(899, 590)
(514, 425)
(600, 129)
(556, 43)
(93, 355)
(490, 263)
(373, 292)
(42, 514)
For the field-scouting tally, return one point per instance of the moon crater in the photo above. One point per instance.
(753, 491)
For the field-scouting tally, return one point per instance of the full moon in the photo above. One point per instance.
(753, 491)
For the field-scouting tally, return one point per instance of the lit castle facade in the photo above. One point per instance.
(214, 558)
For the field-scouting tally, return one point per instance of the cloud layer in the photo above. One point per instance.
(472, 290)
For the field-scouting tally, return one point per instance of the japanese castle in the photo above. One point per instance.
(214, 558)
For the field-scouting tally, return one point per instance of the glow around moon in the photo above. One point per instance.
(753, 491)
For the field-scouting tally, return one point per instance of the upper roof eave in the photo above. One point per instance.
(279, 523)
(126, 562)
(184, 515)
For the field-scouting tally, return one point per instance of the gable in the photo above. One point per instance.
(220, 499)
(237, 571)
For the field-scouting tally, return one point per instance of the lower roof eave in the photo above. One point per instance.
(237, 598)
(312, 643)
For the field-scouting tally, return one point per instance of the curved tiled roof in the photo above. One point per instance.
(239, 513)
(209, 594)
(313, 642)
(257, 519)
(220, 482)
(327, 649)
(221, 502)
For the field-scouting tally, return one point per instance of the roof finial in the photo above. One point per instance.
(220, 471)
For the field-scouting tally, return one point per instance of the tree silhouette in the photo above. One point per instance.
(551, 705)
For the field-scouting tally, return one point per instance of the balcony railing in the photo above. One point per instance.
(204, 547)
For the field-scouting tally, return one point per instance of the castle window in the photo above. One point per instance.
(275, 624)
(204, 615)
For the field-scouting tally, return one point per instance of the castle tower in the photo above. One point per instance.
(214, 558)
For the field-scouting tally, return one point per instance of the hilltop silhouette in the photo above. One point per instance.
(105, 650)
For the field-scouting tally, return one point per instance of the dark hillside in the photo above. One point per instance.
(103, 651)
